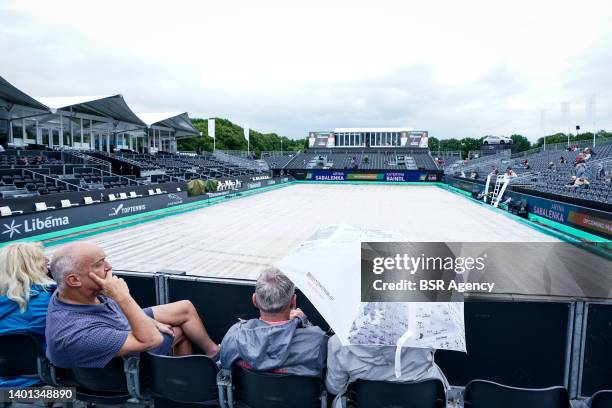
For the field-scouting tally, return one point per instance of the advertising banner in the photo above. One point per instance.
(387, 176)
(29, 225)
(597, 222)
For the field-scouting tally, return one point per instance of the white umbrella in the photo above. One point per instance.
(327, 269)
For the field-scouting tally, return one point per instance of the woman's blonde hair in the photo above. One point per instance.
(22, 265)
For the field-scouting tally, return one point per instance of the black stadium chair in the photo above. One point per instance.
(22, 355)
(106, 385)
(179, 381)
(374, 394)
(601, 399)
(487, 394)
(268, 390)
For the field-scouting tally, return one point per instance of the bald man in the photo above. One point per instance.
(92, 317)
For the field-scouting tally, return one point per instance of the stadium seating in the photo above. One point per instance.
(601, 399)
(487, 394)
(187, 379)
(24, 362)
(362, 159)
(539, 177)
(370, 394)
(106, 385)
(267, 390)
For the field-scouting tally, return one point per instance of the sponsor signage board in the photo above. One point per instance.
(32, 224)
(388, 176)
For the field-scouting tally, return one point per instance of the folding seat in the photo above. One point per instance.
(486, 394)
(426, 394)
(52, 189)
(42, 206)
(30, 186)
(259, 389)
(123, 196)
(42, 190)
(6, 211)
(103, 386)
(22, 355)
(111, 197)
(174, 381)
(89, 200)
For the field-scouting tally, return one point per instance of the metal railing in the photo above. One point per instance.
(56, 180)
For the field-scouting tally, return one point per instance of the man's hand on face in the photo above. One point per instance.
(296, 313)
(112, 286)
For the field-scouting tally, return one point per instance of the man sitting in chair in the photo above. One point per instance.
(92, 317)
(281, 340)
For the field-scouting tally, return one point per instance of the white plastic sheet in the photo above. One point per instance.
(327, 269)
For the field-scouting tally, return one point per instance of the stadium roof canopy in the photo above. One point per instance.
(112, 108)
(358, 130)
(16, 104)
(179, 123)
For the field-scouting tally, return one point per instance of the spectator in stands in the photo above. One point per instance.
(510, 173)
(571, 182)
(92, 317)
(281, 340)
(346, 364)
(23, 160)
(526, 164)
(551, 165)
(25, 290)
(494, 171)
(562, 160)
(582, 182)
(580, 169)
(473, 174)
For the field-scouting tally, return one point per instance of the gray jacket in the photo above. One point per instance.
(296, 347)
(345, 364)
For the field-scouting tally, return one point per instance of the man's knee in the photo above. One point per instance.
(186, 308)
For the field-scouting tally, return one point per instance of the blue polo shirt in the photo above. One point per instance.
(86, 336)
(31, 321)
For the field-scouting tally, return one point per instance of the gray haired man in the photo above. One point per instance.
(281, 340)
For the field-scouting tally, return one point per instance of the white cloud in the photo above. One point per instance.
(454, 68)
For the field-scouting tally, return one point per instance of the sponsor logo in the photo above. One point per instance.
(253, 185)
(174, 199)
(366, 176)
(394, 177)
(555, 213)
(211, 195)
(270, 182)
(591, 222)
(257, 178)
(34, 224)
(229, 185)
(123, 210)
(335, 176)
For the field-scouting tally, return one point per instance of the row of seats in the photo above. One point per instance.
(6, 211)
(358, 159)
(196, 379)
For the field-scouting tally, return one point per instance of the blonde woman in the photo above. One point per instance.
(25, 291)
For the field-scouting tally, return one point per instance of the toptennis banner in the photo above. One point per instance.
(29, 225)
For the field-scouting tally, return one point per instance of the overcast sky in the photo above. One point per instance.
(455, 68)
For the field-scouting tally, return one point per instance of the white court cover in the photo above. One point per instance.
(327, 269)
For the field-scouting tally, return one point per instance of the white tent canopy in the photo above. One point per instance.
(16, 104)
(179, 123)
(114, 108)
